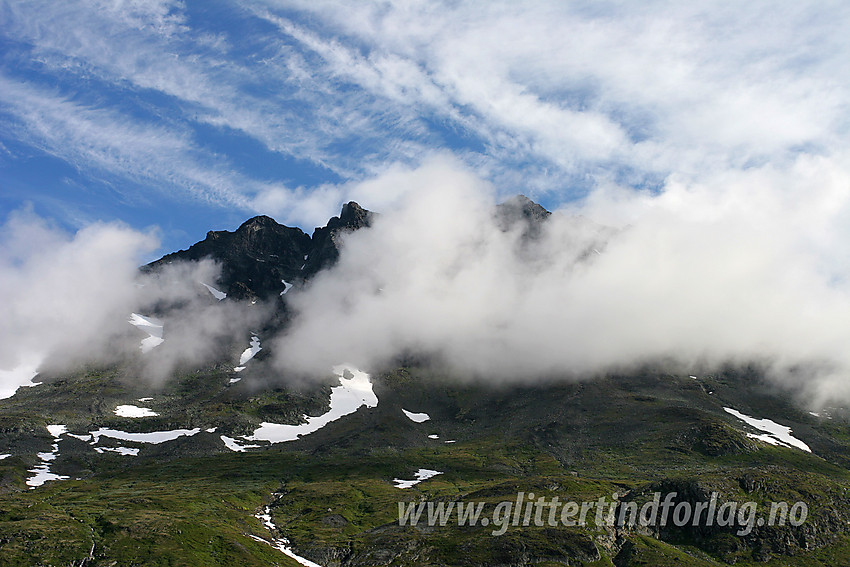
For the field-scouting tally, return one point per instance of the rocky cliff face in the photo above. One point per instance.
(521, 209)
(259, 256)
(326, 241)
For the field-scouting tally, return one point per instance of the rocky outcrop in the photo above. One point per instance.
(261, 254)
(254, 259)
(326, 241)
(521, 210)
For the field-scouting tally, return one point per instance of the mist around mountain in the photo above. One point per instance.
(269, 396)
(500, 293)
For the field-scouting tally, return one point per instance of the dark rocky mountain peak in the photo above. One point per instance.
(254, 259)
(258, 223)
(261, 254)
(353, 216)
(328, 239)
(521, 209)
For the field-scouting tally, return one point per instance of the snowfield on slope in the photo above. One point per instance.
(215, 293)
(153, 327)
(354, 391)
(41, 473)
(775, 434)
(249, 353)
(416, 417)
(154, 437)
(134, 411)
(421, 474)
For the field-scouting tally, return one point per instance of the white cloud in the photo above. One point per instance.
(733, 114)
(64, 296)
(544, 97)
(652, 87)
(67, 300)
(742, 268)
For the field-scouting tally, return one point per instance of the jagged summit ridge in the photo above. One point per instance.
(261, 254)
(326, 241)
(254, 258)
(521, 209)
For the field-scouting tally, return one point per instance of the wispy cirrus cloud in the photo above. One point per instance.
(102, 140)
(549, 98)
(123, 88)
(165, 158)
(592, 88)
(265, 93)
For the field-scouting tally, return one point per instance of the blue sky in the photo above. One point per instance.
(195, 115)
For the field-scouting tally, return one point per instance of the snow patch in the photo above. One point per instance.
(120, 450)
(235, 380)
(433, 437)
(279, 543)
(150, 343)
(234, 445)
(153, 327)
(57, 430)
(216, 293)
(154, 437)
(41, 473)
(5, 456)
(134, 411)
(346, 398)
(145, 399)
(421, 474)
(19, 377)
(417, 417)
(249, 352)
(775, 434)
(286, 287)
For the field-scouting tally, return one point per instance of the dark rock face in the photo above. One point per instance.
(261, 254)
(326, 241)
(254, 259)
(257, 257)
(521, 209)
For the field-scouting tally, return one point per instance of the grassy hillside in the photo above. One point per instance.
(192, 501)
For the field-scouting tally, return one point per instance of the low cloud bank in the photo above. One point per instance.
(750, 266)
(745, 266)
(66, 301)
(198, 328)
(64, 296)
